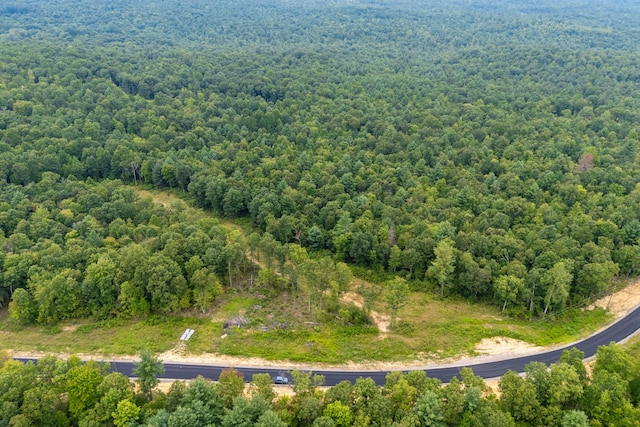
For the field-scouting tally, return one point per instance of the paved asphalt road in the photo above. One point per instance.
(618, 331)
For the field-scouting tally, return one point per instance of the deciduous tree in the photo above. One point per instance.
(147, 371)
(396, 296)
(444, 263)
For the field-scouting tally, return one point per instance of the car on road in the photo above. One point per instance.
(281, 379)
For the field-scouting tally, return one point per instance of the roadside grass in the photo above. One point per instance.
(428, 330)
(111, 337)
(632, 346)
(573, 325)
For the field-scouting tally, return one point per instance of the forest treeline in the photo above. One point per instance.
(495, 159)
(60, 393)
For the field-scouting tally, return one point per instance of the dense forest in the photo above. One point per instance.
(486, 150)
(63, 263)
(480, 150)
(79, 249)
(60, 393)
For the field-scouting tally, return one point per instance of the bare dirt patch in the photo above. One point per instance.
(620, 302)
(178, 355)
(352, 298)
(504, 345)
(381, 321)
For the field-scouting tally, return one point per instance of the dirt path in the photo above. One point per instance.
(381, 321)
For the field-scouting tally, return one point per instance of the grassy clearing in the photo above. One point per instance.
(164, 198)
(436, 330)
(117, 337)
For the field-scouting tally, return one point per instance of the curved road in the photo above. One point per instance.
(618, 331)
